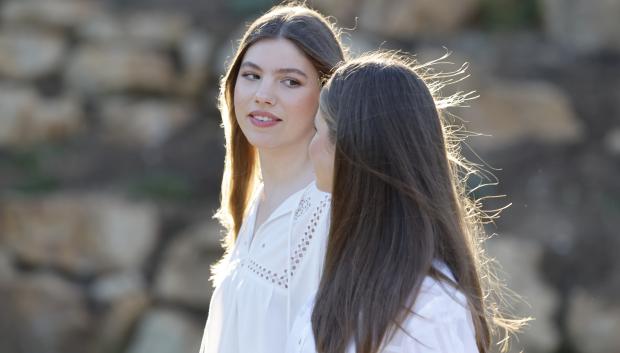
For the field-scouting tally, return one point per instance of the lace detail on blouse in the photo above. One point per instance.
(282, 278)
(275, 278)
(304, 243)
(304, 205)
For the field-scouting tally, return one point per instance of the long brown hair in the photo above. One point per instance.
(319, 40)
(398, 204)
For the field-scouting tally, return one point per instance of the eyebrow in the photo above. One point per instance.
(283, 70)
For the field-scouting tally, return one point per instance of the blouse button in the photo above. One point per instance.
(263, 245)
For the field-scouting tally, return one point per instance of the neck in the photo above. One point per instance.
(284, 171)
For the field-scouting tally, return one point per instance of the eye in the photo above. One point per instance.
(250, 76)
(291, 82)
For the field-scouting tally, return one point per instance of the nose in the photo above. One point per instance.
(264, 95)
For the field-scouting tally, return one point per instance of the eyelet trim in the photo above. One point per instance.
(304, 243)
(304, 205)
(268, 275)
(282, 278)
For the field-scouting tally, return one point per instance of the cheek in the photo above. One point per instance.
(236, 99)
(241, 93)
(320, 153)
(306, 104)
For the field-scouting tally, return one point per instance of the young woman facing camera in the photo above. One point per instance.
(274, 215)
(403, 270)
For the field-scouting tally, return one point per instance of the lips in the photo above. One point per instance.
(263, 119)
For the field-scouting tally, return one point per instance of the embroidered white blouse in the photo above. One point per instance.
(441, 324)
(268, 276)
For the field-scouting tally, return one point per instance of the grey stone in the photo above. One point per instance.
(166, 331)
(104, 28)
(516, 111)
(409, 19)
(126, 299)
(612, 141)
(56, 118)
(127, 231)
(43, 313)
(49, 13)
(583, 25)
(157, 30)
(26, 55)
(357, 43)
(119, 321)
(519, 261)
(107, 68)
(7, 272)
(593, 324)
(116, 286)
(16, 107)
(186, 267)
(82, 234)
(160, 28)
(27, 118)
(208, 235)
(143, 123)
(196, 50)
(344, 11)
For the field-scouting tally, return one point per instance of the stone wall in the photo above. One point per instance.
(111, 157)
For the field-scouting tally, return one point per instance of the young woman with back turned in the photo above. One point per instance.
(403, 269)
(274, 215)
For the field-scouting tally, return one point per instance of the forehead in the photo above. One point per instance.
(279, 53)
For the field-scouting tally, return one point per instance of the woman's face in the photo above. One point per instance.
(322, 154)
(276, 95)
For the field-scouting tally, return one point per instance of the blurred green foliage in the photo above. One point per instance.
(29, 164)
(247, 7)
(611, 204)
(161, 187)
(37, 184)
(499, 15)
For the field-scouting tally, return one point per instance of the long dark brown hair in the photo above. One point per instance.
(398, 204)
(319, 40)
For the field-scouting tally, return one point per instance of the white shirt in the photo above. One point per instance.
(441, 324)
(267, 278)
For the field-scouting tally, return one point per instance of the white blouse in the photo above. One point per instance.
(267, 278)
(441, 324)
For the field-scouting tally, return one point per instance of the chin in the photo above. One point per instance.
(262, 143)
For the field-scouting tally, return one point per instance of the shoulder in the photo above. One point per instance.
(437, 297)
(438, 302)
(440, 321)
(313, 191)
(312, 201)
